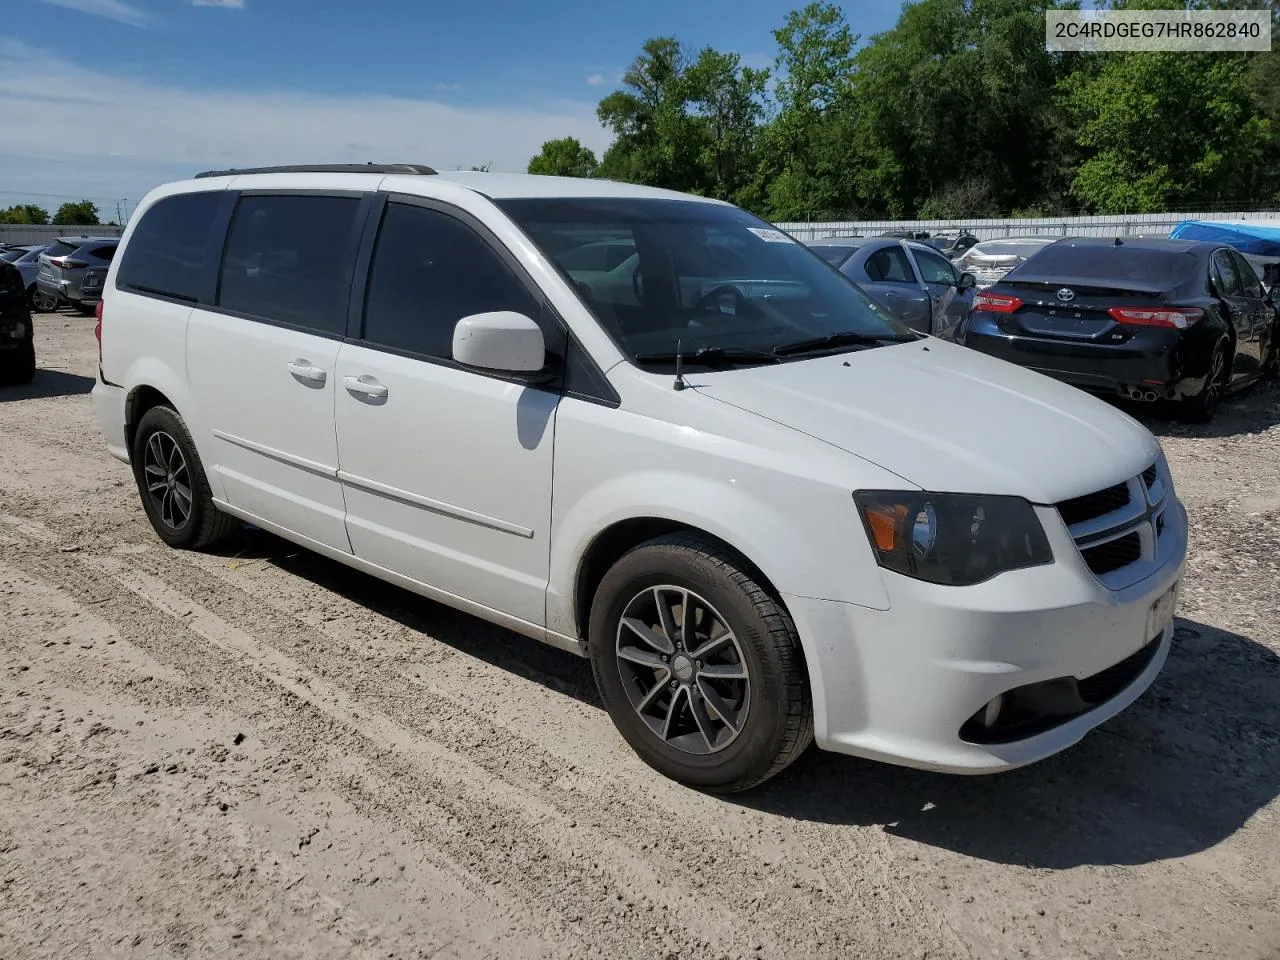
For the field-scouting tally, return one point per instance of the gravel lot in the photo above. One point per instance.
(263, 754)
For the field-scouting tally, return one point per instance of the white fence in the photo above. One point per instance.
(1131, 225)
(22, 233)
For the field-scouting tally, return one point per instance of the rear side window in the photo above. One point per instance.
(935, 269)
(429, 271)
(890, 265)
(1225, 275)
(1249, 281)
(106, 254)
(290, 259)
(168, 253)
(60, 249)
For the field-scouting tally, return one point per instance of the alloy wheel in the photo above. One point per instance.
(683, 669)
(168, 479)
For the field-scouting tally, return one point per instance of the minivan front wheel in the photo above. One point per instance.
(699, 666)
(172, 483)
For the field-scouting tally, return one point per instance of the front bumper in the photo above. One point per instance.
(899, 684)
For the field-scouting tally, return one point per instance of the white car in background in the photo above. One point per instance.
(990, 260)
(767, 511)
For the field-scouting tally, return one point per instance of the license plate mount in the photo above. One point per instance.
(1160, 613)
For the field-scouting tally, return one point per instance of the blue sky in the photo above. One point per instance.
(106, 98)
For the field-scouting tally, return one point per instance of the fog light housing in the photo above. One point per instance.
(991, 712)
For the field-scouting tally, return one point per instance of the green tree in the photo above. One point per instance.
(727, 103)
(80, 213)
(24, 213)
(565, 157)
(805, 155)
(1167, 131)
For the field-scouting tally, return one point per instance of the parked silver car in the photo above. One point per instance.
(66, 269)
(909, 278)
(990, 260)
(27, 260)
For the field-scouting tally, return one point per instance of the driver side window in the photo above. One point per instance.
(935, 270)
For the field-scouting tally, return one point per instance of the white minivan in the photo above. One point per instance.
(651, 429)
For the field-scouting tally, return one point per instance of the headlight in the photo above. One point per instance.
(956, 539)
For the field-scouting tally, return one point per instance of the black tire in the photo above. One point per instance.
(203, 524)
(1271, 366)
(31, 298)
(778, 722)
(43, 302)
(18, 367)
(1201, 407)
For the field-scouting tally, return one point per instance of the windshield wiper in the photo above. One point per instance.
(841, 338)
(710, 355)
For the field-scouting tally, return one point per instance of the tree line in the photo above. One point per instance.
(79, 213)
(957, 111)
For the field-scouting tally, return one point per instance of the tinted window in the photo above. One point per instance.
(1226, 275)
(169, 249)
(104, 253)
(1069, 261)
(11, 256)
(290, 259)
(31, 256)
(891, 266)
(1249, 281)
(935, 269)
(429, 271)
(60, 249)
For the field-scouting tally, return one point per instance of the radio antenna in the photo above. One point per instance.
(679, 384)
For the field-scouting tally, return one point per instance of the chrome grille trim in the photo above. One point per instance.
(1149, 496)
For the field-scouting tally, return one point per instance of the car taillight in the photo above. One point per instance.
(1178, 318)
(97, 330)
(996, 303)
(68, 264)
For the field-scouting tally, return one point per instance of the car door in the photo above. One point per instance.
(950, 304)
(262, 361)
(886, 273)
(446, 470)
(1261, 314)
(1229, 287)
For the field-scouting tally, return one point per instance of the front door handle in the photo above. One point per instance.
(365, 386)
(306, 370)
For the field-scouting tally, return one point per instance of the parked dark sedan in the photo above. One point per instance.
(1147, 319)
(910, 279)
(17, 340)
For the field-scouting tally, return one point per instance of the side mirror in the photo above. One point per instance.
(503, 341)
(967, 281)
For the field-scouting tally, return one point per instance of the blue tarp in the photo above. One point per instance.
(1260, 237)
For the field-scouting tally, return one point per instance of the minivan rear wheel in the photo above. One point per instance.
(172, 483)
(698, 665)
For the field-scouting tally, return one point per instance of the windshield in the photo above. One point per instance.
(699, 276)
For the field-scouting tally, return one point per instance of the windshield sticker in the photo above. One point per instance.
(770, 236)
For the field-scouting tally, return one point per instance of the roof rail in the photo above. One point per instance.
(398, 168)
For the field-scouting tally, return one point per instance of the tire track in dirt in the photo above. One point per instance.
(820, 882)
(473, 818)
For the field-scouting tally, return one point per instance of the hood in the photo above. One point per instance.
(947, 419)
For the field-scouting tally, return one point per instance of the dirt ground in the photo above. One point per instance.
(262, 754)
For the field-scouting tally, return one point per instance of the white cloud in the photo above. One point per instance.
(231, 4)
(448, 87)
(131, 134)
(116, 10)
(595, 79)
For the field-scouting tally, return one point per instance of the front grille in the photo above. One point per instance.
(1094, 505)
(1149, 475)
(1113, 554)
